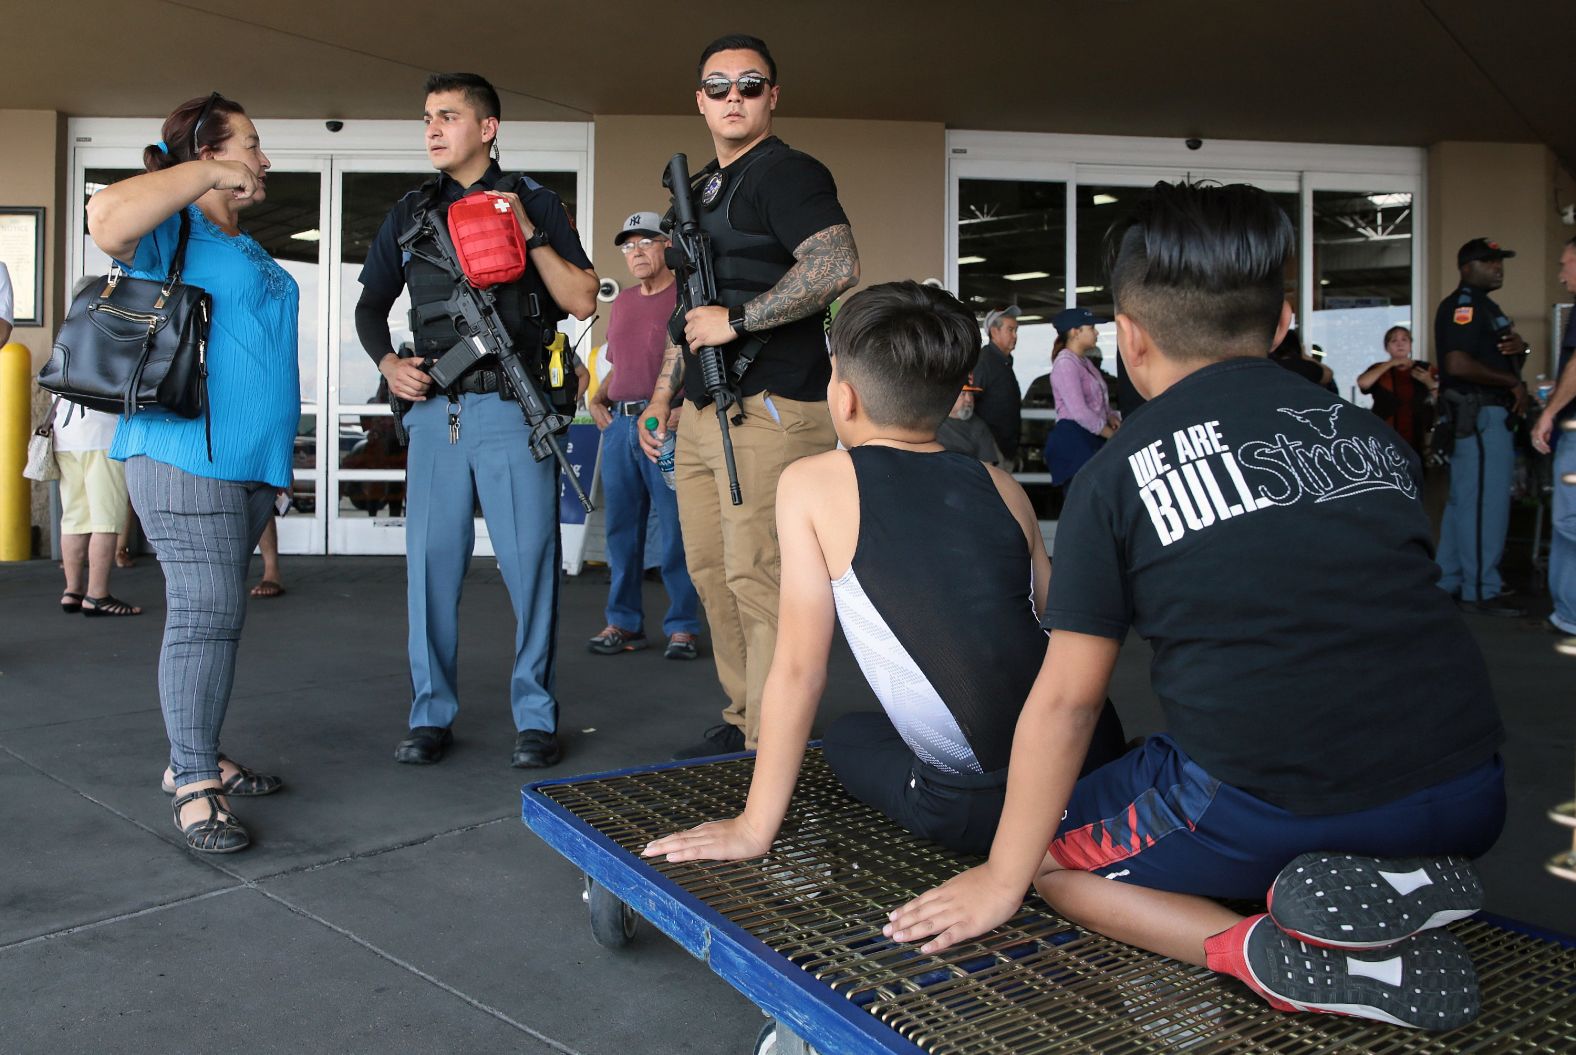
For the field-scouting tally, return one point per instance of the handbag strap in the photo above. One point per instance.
(178, 265)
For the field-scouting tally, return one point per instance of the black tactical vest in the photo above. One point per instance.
(527, 308)
(745, 263)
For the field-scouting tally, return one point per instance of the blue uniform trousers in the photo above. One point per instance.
(1477, 515)
(632, 487)
(519, 499)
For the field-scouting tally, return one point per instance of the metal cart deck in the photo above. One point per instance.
(798, 932)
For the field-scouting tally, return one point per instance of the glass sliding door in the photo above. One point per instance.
(1362, 278)
(366, 463)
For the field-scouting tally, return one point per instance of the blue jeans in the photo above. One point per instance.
(1477, 515)
(491, 463)
(631, 488)
(1562, 547)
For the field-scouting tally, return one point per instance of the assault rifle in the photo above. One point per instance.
(690, 259)
(482, 333)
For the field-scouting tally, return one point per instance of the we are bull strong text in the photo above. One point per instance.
(1196, 479)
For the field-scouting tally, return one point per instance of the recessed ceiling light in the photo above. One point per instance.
(1104, 199)
(1024, 276)
(1030, 318)
(970, 260)
(308, 236)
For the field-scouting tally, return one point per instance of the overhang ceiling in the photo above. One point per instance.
(1406, 72)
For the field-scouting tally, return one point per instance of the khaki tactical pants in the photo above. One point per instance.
(732, 550)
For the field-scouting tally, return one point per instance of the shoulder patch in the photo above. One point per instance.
(1462, 316)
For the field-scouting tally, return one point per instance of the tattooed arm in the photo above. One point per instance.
(665, 403)
(826, 265)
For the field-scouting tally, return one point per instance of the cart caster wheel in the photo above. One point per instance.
(775, 1039)
(612, 921)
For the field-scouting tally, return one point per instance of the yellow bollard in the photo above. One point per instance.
(16, 492)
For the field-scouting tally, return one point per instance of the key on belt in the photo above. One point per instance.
(454, 423)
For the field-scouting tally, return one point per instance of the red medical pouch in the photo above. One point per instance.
(488, 241)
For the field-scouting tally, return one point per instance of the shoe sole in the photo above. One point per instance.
(685, 656)
(1427, 982)
(553, 761)
(1342, 901)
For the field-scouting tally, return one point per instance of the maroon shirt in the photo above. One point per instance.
(637, 333)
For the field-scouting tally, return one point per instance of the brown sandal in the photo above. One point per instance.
(218, 833)
(245, 783)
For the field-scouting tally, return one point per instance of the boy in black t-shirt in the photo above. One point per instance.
(1266, 538)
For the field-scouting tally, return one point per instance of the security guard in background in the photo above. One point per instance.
(1479, 355)
(783, 252)
(472, 442)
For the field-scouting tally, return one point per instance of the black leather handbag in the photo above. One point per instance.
(129, 343)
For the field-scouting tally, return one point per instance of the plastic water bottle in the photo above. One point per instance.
(665, 453)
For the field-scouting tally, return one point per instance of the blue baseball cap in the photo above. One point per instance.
(1069, 319)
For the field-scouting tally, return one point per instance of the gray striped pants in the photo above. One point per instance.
(203, 531)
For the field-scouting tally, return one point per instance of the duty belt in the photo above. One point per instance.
(483, 380)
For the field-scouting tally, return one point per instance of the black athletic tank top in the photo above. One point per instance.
(938, 607)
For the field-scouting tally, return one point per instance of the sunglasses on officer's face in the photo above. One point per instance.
(751, 85)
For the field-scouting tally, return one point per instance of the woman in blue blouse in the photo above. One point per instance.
(204, 513)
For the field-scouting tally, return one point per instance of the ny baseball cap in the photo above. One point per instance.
(1011, 311)
(1482, 249)
(639, 223)
(1069, 319)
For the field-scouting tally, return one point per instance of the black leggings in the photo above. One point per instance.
(958, 810)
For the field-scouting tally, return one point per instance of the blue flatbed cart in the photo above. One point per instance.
(798, 932)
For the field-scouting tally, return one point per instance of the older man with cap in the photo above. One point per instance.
(631, 483)
(1000, 402)
(965, 433)
(1479, 355)
(1084, 418)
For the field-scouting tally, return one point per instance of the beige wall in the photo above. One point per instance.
(33, 172)
(891, 177)
(1504, 192)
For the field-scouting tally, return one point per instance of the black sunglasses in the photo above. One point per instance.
(751, 85)
(207, 110)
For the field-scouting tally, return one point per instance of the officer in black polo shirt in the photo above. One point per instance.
(1479, 355)
(471, 442)
(783, 252)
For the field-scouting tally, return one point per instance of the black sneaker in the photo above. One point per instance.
(1500, 605)
(1349, 902)
(424, 746)
(1425, 982)
(536, 749)
(613, 640)
(723, 739)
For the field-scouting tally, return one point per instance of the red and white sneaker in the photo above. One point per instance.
(1348, 902)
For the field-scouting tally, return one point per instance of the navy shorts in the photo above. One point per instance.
(1155, 819)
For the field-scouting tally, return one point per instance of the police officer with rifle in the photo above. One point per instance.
(488, 386)
(752, 358)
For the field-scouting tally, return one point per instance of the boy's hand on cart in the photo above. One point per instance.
(964, 907)
(729, 840)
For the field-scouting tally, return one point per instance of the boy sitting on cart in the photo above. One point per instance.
(1267, 539)
(934, 565)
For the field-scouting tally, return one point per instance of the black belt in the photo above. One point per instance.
(629, 407)
(481, 381)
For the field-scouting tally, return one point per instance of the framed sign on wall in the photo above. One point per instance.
(22, 252)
